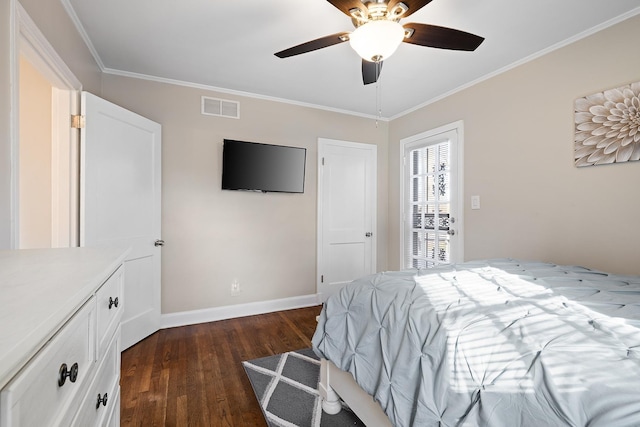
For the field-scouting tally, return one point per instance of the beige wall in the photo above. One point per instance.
(265, 241)
(35, 158)
(518, 141)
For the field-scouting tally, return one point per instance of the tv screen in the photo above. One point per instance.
(262, 167)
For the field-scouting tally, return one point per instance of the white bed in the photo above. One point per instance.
(336, 385)
(498, 342)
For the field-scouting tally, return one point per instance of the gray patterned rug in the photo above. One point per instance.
(286, 386)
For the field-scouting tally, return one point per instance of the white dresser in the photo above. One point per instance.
(60, 312)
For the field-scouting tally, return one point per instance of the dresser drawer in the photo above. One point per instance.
(38, 396)
(109, 308)
(113, 419)
(102, 396)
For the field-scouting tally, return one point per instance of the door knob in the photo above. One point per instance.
(368, 234)
(451, 232)
(159, 242)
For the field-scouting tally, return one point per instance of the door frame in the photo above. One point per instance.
(28, 40)
(457, 184)
(322, 142)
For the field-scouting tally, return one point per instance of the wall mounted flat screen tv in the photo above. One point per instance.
(262, 167)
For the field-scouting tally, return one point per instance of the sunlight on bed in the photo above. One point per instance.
(480, 343)
(505, 335)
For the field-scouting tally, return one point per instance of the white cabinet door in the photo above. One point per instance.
(120, 203)
(346, 213)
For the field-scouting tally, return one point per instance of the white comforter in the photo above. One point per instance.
(491, 343)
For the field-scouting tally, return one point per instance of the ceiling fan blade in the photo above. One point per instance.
(370, 71)
(346, 5)
(314, 45)
(413, 5)
(442, 37)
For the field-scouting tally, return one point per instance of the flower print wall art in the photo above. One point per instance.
(608, 126)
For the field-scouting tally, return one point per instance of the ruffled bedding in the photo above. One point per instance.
(491, 343)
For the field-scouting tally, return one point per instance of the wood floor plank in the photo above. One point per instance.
(193, 375)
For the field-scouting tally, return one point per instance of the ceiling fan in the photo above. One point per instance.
(378, 33)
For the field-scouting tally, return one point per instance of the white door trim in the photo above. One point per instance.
(322, 142)
(457, 182)
(64, 170)
(37, 49)
(14, 123)
(29, 41)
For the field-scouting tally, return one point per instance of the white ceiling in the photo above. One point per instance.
(230, 45)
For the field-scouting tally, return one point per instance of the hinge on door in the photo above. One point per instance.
(77, 122)
(323, 161)
(322, 278)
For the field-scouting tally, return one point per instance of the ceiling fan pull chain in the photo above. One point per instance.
(378, 96)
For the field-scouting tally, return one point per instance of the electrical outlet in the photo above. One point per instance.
(235, 287)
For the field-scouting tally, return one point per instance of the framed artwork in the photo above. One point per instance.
(607, 126)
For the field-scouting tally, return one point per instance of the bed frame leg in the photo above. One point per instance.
(330, 399)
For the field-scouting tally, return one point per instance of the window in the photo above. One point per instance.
(430, 206)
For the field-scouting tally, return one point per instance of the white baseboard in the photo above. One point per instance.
(193, 317)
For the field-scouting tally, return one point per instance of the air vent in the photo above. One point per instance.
(220, 107)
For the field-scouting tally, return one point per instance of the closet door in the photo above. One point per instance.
(346, 213)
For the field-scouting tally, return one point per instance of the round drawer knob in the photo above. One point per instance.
(102, 400)
(65, 373)
(113, 302)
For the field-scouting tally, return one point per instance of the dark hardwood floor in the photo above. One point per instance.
(193, 376)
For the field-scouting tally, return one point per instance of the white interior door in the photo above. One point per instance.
(431, 198)
(346, 213)
(120, 203)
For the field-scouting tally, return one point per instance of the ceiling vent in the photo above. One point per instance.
(220, 107)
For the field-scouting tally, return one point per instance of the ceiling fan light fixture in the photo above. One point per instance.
(377, 40)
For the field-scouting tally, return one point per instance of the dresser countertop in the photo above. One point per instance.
(40, 289)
